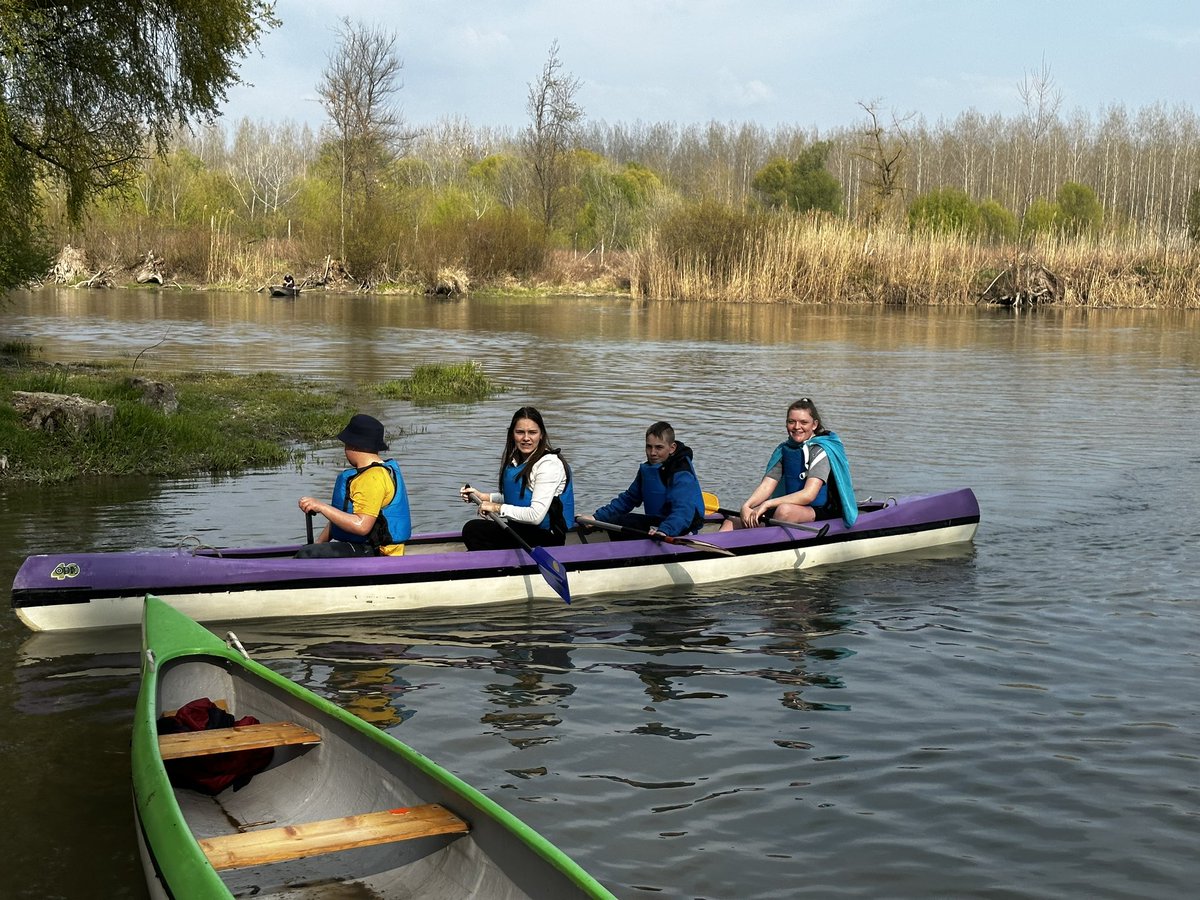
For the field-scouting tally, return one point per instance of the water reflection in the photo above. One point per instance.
(1022, 673)
(234, 330)
(77, 681)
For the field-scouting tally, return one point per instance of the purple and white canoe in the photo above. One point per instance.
(65, 591)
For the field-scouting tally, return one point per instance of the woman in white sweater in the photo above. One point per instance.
(536, 496)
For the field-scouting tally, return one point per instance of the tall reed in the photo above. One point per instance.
(823, 259)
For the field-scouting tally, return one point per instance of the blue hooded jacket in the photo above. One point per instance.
(670, 491)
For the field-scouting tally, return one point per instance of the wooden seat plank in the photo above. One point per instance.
(254, 848)
(239, 737)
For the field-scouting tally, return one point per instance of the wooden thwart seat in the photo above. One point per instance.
(254, 848)
(240, 737)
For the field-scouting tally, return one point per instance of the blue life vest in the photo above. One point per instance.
(795, 474)
(654, 492)
(562, 507)
(666, 496)
(394, 524)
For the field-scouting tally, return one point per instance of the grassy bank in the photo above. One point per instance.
(224, 423)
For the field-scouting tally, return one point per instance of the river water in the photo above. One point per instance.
(1015, 718)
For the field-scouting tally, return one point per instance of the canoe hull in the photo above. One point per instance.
(72, 591)
(353, 770)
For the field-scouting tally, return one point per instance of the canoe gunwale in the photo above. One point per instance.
(177, 857)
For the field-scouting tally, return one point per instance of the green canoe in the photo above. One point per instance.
(342, 810)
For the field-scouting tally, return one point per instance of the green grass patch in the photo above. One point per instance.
(225, 423)
(439, 383)
(19, 349)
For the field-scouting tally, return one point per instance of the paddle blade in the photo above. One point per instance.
(552, 570)
(711, 503)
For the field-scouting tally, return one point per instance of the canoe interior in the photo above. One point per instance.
(346, 774)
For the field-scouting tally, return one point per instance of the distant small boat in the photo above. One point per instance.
(283, 290)
(341, 810)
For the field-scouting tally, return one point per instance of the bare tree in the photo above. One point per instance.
(357, 90)
(555, 119)
(1041, 99)
(883, 149)
(267, 164)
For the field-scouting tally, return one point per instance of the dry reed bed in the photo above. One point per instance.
(802, 261)
(788, 259)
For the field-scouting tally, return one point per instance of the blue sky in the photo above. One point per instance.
(804, 63)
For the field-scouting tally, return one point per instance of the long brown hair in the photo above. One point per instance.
(510, 444)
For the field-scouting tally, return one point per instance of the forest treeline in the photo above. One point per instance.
(1091, 209)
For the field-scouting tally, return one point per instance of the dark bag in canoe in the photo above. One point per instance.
(211, 774)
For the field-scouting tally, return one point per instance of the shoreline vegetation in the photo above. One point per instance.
(1082, 210)
(777, 259)
(1045, 206)
(213, 423)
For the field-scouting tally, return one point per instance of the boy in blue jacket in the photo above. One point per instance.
(665, 487)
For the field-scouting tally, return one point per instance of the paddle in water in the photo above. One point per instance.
(713, 505)
(552, 570)
(681, 541)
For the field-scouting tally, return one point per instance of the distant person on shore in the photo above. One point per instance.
(665, 486)
(536, 496)
(808, 476)
(368, 515)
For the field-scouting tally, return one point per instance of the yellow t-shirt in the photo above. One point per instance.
(370, 492)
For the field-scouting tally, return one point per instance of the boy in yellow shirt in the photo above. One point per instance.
(369, 514)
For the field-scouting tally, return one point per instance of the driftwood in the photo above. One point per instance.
(72, 267)
(333, 274)
(1024, 283)
(60, 412)
(101, 278)
(150, 270)
(70, 264)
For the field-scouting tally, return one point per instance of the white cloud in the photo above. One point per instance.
(480, 40)
(741, 93)
(1180, 39)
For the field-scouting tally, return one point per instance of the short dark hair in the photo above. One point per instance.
(662, 430)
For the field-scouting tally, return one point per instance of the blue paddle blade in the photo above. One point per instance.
(552, 570)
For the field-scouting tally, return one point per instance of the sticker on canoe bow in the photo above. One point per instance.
(64, 570)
